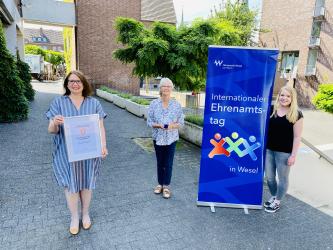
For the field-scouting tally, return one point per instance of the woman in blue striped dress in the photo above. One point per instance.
(78, 178)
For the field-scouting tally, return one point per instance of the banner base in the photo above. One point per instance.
(212, 206)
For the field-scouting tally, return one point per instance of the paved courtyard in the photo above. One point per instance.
(125, 212)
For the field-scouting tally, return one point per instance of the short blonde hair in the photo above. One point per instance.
(165, 81)
(292, 114)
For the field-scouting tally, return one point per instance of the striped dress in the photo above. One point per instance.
(78, 175)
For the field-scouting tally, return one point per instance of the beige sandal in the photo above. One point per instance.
(158, 189)
(166, 193)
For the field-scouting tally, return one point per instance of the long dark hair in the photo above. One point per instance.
(87, 90)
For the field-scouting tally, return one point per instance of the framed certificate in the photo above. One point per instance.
(83, 137)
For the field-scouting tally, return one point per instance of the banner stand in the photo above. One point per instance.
(212, 206)
(246, 210)
(238, 97)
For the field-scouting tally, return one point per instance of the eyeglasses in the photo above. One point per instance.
(166, 86)
(74, 81)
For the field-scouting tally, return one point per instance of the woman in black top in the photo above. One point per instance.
(284, 137)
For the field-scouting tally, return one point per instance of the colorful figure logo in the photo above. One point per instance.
(234, 144)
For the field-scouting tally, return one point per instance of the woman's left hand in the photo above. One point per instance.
(291, 160)
(104, 152)
(173, 125)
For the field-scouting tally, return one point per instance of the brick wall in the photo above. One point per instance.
(290, 24)
(96, 40)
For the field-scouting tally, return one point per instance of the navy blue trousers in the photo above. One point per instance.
(164, 157)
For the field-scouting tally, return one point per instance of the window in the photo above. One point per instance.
(312, 59)
(316, 27)
(320, 3)
(289, 62)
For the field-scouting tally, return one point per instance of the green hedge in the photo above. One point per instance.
(324, 98)
(140, 101)
(196, 119)
(111, 91)
(13, 104)
(125, 95)
(136, 99)
(25, 75)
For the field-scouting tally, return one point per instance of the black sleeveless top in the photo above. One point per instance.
(281, 133)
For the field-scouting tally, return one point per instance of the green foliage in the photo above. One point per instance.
(50, 56)
(240, 17)
(196, 119)
(34, 50)
(164, 51)
(13, 104)
(111, 91)
(54, 57)
(25, 75)
(181, 54)
(140, 100)
(125, 95)
(324, 98)
(136, 99)
(228, 34)
(129, 30)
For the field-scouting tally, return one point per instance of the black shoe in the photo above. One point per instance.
(273, 207)
(269, 202)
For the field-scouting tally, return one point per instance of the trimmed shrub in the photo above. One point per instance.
(196, 119)
(324, 98)
(125, 95)
(140, 101)
(25, 75)
(136, 99)
(13, 104)
(111, 91)
(34, 50)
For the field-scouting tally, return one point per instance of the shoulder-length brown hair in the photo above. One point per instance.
(87, 90)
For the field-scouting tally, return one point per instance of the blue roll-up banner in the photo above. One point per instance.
(238, 96)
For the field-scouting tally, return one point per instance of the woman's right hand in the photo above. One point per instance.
(58, 120)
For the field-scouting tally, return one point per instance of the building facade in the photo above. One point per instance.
(11, 19)
(303, 32)
(46, 39)
(96, 37)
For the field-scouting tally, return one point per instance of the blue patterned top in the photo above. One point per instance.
(158, 114)
(77, 175)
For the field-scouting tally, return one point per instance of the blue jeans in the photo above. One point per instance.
(164, 157)
(276, 162)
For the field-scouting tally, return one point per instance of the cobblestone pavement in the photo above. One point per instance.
(125, 212)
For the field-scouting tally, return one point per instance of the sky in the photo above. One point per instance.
(191, 9)
(202, 8)
(194, 8)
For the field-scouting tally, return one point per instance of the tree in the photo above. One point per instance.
(189, 60)
(164, 51)
(54, 57)
(34, 50)
(243, 20)
(13, 104)
(25, 75)
(143, 48)
(181, 54)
